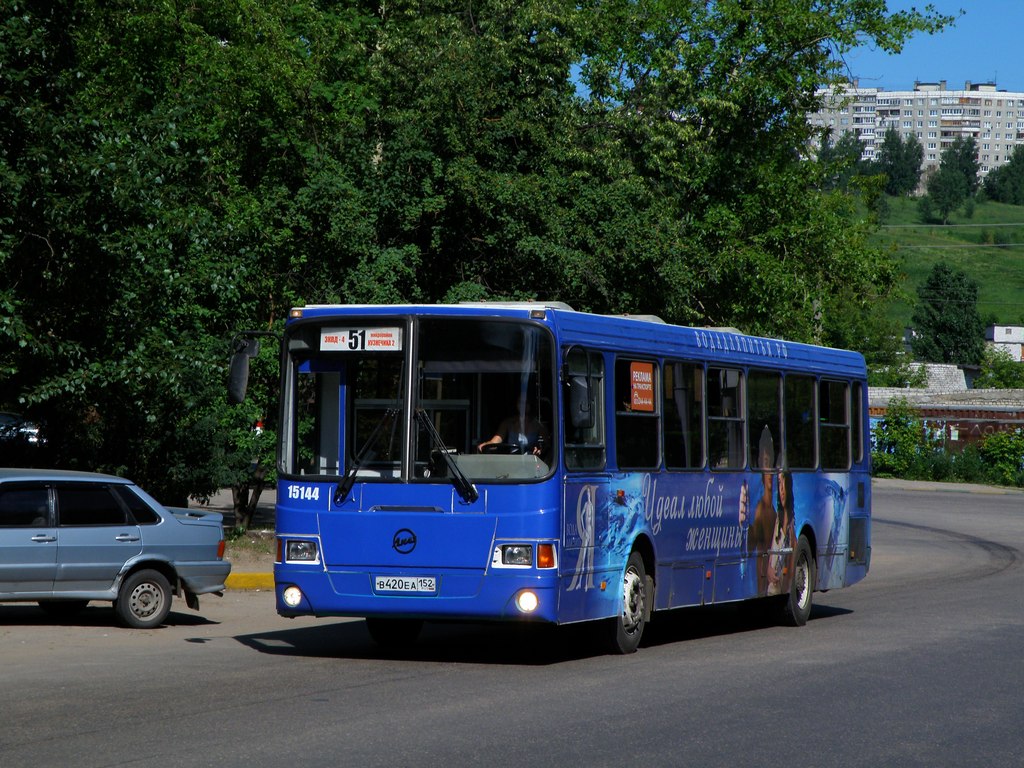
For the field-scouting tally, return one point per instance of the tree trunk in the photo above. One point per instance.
(245, 498)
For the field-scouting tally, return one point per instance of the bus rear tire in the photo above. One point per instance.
(797, 606)
(628, 627)
(394, 633)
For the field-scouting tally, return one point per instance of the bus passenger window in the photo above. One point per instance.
(801, 434)
(726, 449)
(857, 423)
(834, 424)
(584, 410)
(636, 414)
(683, 405)
(764, 391)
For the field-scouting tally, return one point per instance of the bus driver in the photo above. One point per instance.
(520, 430)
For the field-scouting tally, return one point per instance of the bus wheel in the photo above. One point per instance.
(629, 626)
(394, 633)
(797, 608)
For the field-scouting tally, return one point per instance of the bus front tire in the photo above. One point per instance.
(628, 627)
(797, 606)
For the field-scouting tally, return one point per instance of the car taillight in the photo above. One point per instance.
(220, 550)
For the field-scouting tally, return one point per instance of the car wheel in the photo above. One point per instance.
(144, 600)
(63, 609)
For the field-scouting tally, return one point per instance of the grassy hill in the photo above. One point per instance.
(988, 246)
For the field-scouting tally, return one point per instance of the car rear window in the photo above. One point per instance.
(141, 511)
(88, 505)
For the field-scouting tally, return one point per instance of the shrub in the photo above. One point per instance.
(900, 442)
(1003, 452)
(970, 467)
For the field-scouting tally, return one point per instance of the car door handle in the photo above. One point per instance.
(126, 537)
(43, 538)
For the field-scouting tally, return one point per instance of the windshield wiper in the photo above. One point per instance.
(364, 455)
(462, 484)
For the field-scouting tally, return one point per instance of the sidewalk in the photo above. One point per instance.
(929, 485)
(254, 572)
(221, 502)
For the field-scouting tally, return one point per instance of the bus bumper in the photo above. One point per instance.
(471, 596)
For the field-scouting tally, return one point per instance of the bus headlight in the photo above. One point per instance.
(517, 554)
(292, 596)
(299, 550)
(526, 601)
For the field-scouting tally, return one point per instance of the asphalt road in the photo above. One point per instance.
(922, 664)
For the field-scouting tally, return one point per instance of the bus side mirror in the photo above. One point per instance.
(238, 378)
(581, 414)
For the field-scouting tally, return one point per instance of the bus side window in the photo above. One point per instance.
(636, 414)
(857, 422)
(683, 404)
(726, 449)
(834, 424)
(583, 409)
(801, 433)
(764, 392)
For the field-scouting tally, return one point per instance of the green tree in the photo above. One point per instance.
(962, 155)
(173, 173)
(1003, 452)
(900, 440)
(900, 160)
(947, 326)
(157, 161)
(999, 370)
(947, 191)
(841, 159)
(1005, 184)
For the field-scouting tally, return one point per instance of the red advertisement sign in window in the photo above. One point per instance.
(641, 387)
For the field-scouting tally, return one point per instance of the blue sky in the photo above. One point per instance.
(984, 44)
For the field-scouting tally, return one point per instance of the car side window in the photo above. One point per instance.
(140, 510)
(24, 507)
(88, 505)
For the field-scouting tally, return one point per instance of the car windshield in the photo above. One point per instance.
(482, 400)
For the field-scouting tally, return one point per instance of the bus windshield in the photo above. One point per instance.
(393, 400)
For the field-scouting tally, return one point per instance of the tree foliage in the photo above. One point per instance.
(172, 173)
(999, 370)
(1005, 184)
(954, 184)
(947, 326)
(900, 160)
(899, 441)
(840, 159)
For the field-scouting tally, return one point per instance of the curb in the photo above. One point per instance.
(249, 581)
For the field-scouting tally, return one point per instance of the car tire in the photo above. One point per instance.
(144, 600)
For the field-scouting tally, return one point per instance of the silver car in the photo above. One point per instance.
(70, 537)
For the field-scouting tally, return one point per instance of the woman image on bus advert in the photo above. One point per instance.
(521, 430)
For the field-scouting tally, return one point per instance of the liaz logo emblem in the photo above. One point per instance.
(404, 541)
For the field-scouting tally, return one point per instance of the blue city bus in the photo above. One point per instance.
(527, 462)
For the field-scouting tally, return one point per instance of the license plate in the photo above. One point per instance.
(418, 585)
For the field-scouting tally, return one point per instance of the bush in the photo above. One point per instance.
(970, 467)
(1003, 452)
(900, 444)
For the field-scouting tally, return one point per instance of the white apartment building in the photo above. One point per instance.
(932, 113)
